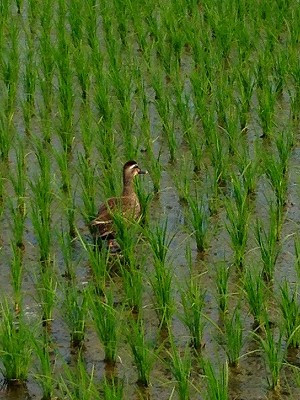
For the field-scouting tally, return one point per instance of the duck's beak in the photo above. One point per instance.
(143, 172)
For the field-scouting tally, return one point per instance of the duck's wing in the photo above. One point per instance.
(103, 222)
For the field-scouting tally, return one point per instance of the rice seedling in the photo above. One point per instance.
(297, 253)
(266, 99)
(145, 197)
(5, 136)
(222, 277)
(274, 355)
(277, 178)
(238, 215)
(45, 371)
(198, 219)
(41, 204)
(217, 154)
(126, 236)
(29, 86)
(248, 168)
(255, 291)
(16, 347)
(16, 270)
(88, 182)
(113, 389)
(65, 242)
(161, 284)
(142, 351)
(246, 84)
(107, 324)
(182, 179)
(290, 313)
(17, 225)
(132, 276)
(268, 245)
(160, 241)
(46, 287)
(78, 383)
(180, 367)
(193, 301)
(233, 337)
(18, 179)
(75, 312)
(216, 382)
(284, 143)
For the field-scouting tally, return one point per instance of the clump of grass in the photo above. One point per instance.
(45, 374)
(238, 215)
(142, 351)
(88, 185)
(17, 270)
(16, 347)
(46, 286)
(75, 308)
(160, 241)
(132, 275)
(222, 277)
(193, 301)
(180, 367)
(107, 323)
(290, 311)
(113, 389)
(297, 254)
(78, 383)
(269, 248)
(145, 198)
(233, 336)
(274, 355)
(198, 218)
(255, 291)
(216, 383)
(182, 179)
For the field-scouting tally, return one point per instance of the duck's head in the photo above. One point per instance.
(131, 169)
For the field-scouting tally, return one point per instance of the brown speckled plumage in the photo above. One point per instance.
(128, 203)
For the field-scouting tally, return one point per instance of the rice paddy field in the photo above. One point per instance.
(203, 301)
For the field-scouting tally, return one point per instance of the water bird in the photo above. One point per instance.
(127, 204)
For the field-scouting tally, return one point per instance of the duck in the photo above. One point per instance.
(128, 204)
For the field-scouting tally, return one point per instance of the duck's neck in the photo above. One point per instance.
(128, 187)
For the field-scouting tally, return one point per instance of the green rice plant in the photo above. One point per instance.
(198, 219)
(30, 76)
(18, 178)
(83, 69)
(65, 241)
(180, 367)
(145, 198)
(246, 84)
(77, 383)
(155, 168)
(232, 128)
(217, 154)
(216, 382)
(238, 215)
(255, 292)
(113, 389)
(142, 351)
(75, 313)
(222, 278)
(46, 287)
(193, 301)
(284, 143)
(107, 323)
(160, 241)
(161, 284)
(45, 371)
(75, 13)
(233, 337)
(132, 276)
(17, 226)
(126, 235)
(16, 347)
(182, 179)
(90, 24)
(274, 355)
(5, 136)
(290, 311)
(268, 245)
(266, 99)
(278, 180)
(41, 203)
(19, 5)
(1, 195)
(17, 270)
(88, 187)
(248, 168)
(297, 254)
(10, 67)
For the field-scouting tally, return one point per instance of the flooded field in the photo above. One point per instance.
(202, 301)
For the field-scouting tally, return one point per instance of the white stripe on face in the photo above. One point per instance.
(133, 166)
